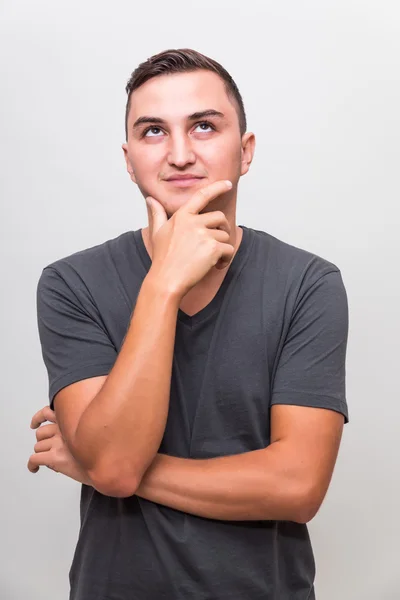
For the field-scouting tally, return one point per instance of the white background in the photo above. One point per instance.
(320, 83)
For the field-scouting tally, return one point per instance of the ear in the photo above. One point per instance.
(248, 148)
(129, 167)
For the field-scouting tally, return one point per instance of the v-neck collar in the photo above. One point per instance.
(211, 306)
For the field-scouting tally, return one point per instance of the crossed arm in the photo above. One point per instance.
(287, 480)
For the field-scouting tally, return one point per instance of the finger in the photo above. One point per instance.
(43, 446)
(44, 414)
(203, 196)
(227, 252)
(157, 215)
(149, 213)
(46, 431)
(220, 235)
(215, 220)
(42, 459)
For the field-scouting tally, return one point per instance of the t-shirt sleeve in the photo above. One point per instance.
(311, 367)
(74, 343)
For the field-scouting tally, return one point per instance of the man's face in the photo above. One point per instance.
(209, 146)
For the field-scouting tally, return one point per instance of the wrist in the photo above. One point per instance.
(162, 286)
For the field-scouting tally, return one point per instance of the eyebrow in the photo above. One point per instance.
(193, 117)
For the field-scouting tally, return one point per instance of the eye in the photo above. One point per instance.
(154, 129)
(207, 124)
(146, 131)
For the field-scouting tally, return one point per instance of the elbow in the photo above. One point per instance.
(305, 516)
(306, 506)
(114, 483)
(107, 475)
(116, 487)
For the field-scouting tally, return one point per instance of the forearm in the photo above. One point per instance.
(251, 486)
(121, 430)
(256, 485)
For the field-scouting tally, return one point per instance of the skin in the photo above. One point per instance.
(182, 146)
(287, 480)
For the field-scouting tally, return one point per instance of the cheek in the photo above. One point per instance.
(147, 159)
(221, 156)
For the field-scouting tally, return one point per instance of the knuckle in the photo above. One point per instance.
(213, 245)
(203, 232)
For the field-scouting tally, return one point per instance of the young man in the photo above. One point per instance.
(196, 368)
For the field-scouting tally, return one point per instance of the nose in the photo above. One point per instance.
(180, 151)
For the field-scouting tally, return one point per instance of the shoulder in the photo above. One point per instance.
(90, 267)
(92, 258)
(288, 265)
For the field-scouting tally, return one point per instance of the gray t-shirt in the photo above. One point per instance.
(275, 333)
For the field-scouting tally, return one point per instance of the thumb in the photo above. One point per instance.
(157, 214)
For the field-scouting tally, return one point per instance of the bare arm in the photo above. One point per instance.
(120, 431)
(287, 480)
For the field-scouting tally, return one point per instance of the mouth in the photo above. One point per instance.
(184, 181)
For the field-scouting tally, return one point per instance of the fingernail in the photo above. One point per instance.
(228, 183)
(148, 202)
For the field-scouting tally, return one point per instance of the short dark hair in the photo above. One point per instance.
(181, 61)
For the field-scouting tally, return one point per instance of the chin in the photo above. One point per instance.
(171, 205)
